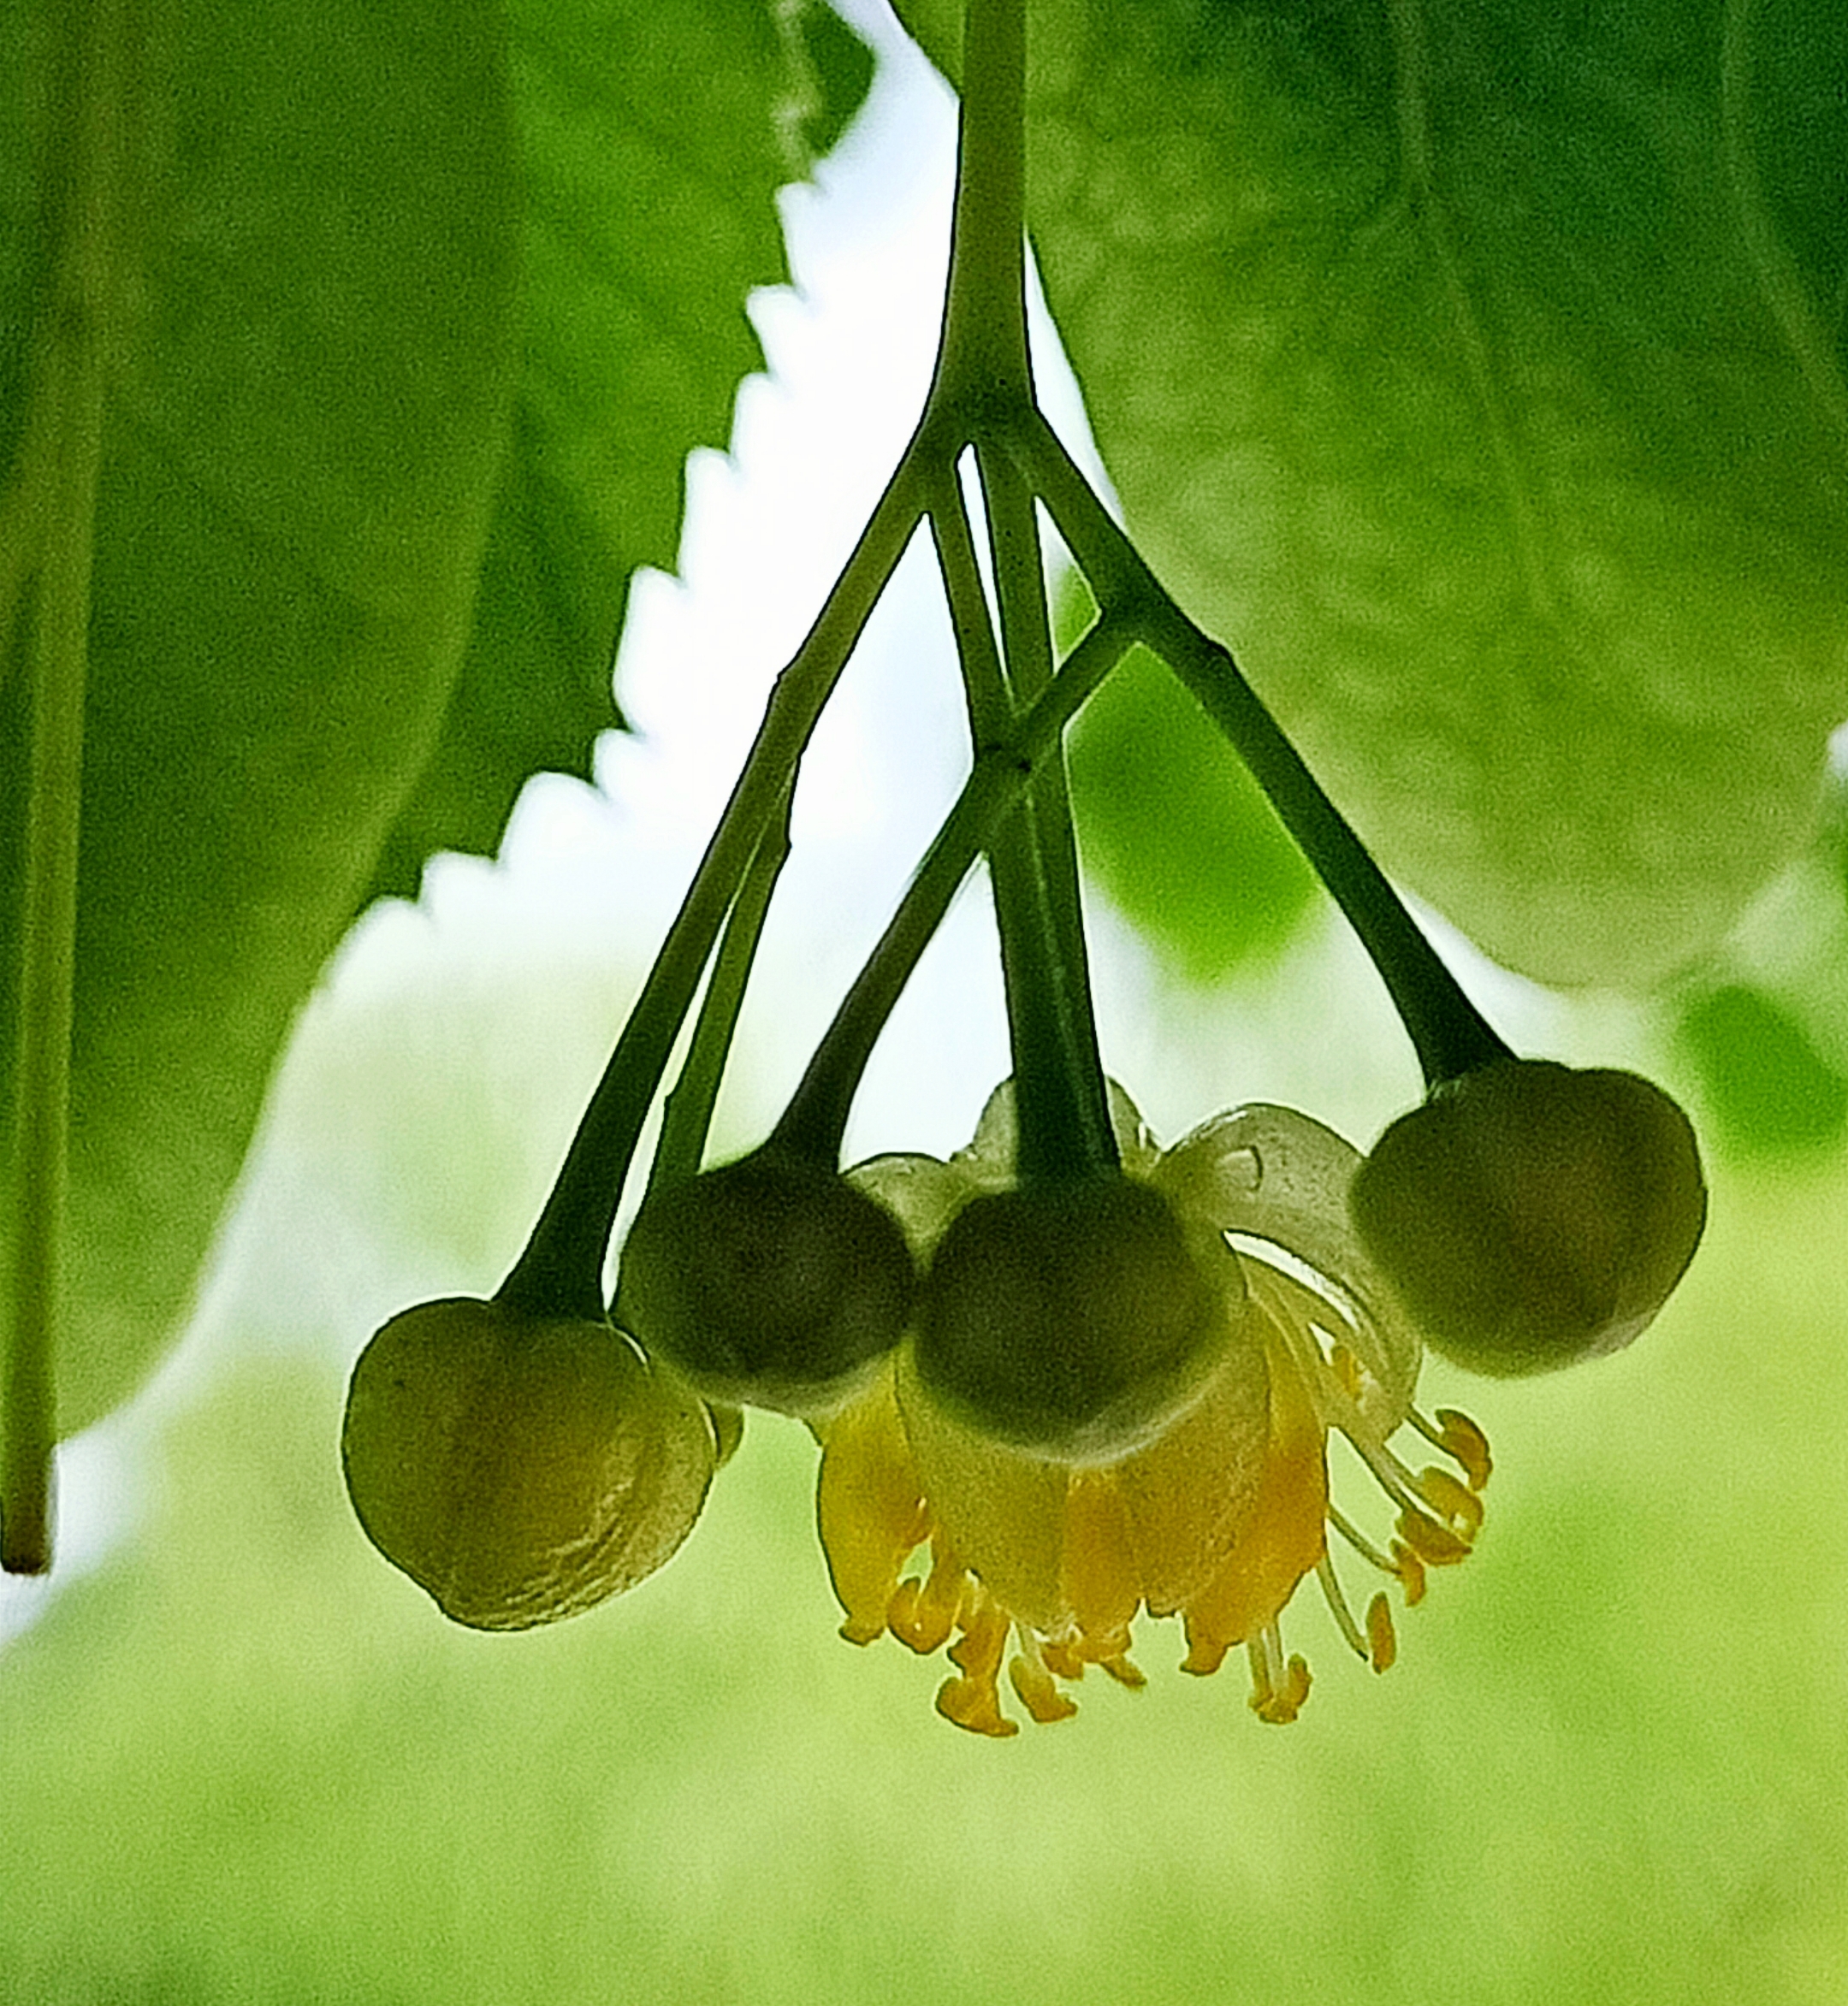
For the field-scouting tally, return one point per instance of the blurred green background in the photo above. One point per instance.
(243, 1760)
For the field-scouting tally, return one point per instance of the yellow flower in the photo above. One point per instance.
(1214, 1511)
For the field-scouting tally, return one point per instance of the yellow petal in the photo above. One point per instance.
(1288, 1528)
(1188, 1498)
(869, 1507)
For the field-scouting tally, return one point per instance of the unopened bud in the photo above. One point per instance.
(770, 1283)
(1532, 1215)
(519, 1468)
(1072, 1319)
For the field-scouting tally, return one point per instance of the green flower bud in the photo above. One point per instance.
(1531, 1215)
(1075, 1320)
(770, 1282)
(520, 1469)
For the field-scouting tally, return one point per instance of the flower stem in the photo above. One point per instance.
(1060, 1096)
(68, 397)
(687, 1117)
(983, 376)
(560, 1270)
(1450, 1034)
(982, 358)
(815, 1119)
(1065, 1123)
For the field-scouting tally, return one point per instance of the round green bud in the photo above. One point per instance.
(1532, 1215)
(1074, 1320)
(520, 1469)
(771, 1282)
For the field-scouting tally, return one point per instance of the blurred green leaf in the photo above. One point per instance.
(403, 392)
(840, 69)
(304, 430)
(653, 141)
(1176, 831)
(1473, 370)
(1171, 823)
(1768, 1091)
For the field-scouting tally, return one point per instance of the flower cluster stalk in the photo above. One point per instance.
(560, 1270)
(816, 1117)
(687, 1113)
(58, 525)
(981, 404)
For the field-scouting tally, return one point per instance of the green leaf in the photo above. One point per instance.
(653, 141)
(1472, 368)
(306, 416)
(1767, 1090)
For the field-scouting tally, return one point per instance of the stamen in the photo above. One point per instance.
(1465, 1440)
(1294, 1691)
(1345, 1368)
(1410, 1572)
(1205, 1656)
(1032, 1682)
(923, 1614)
(1061, 1656)
(1460, 1509)
(1381, 1637)
(1278, 1689)
(1360, 1543)
(1125, 1673)
(972, 1700)
(1398, 1484)
(1434, 1544)
(1262, 1690)
(1337, 1602)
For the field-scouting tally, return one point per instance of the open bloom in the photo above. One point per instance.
(1215, 1509)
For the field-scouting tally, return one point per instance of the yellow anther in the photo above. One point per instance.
(1062, 1658)
(1280, 1704)
(1296, 1683)
(969, 1703)
(1465, 1440)
(1038, 1694)
(1461, 1510)
(973, 1701)
(1410, 1572)
(1124, 1672)
(1382, 1642)
(1205, 1654)
(1434, 1544)
(923, 1613)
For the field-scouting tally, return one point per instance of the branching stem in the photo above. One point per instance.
(686, 1118)
(1447, 1032)
(816, 1117)
(561, 1271)
(1015, 804)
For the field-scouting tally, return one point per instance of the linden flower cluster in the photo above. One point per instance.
(1209, 1498)
(1089, 1377)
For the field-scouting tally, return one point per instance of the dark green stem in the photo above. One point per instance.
(982, 358)
(687, 1115)
(1062, 1101)
(561, 1271)
(1447, 1032)
(67, 395)
(816, 1117)
(1058, 1082)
